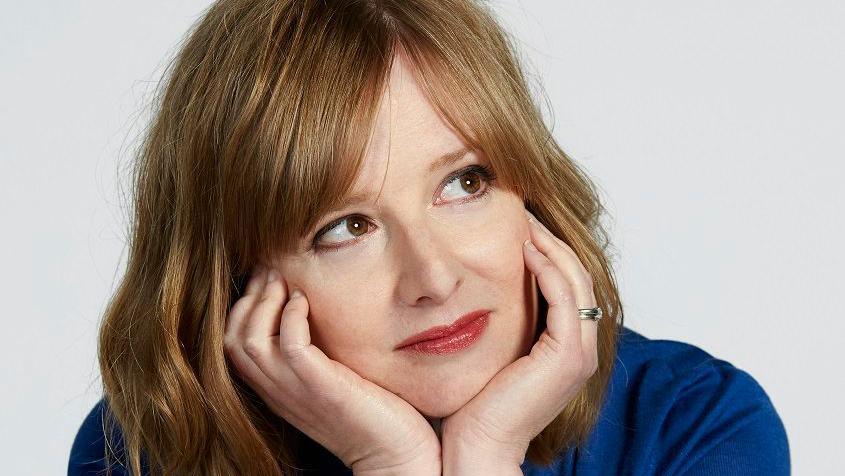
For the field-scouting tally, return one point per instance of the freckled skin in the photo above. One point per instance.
(423, 262)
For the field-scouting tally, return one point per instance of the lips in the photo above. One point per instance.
(438, 332)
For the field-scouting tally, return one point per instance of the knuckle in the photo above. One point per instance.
(546, 266)
(589, 367)
(293, 353)
(272, 291)
(563, 295)
(567, 293)
(587, 278)
(242, 304)
(548, 351)
(255, 348)
(228, 343)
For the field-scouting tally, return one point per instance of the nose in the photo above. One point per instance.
(428, 267)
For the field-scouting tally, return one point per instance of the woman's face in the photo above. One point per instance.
(423, 254)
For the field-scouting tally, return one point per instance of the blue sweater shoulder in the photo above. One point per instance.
(91, 453)
(673, 409)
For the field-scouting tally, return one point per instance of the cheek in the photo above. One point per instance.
(494, 250)
(342, 316)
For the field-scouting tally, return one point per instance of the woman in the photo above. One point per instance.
(357, 249)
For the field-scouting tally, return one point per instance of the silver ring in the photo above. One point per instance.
(591, 313)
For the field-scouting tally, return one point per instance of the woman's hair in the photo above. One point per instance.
(260, 125)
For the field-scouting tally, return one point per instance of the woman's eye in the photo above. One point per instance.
(348, 229)
(468, 181)
(355, 225)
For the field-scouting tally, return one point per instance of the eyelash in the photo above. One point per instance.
(486, 173)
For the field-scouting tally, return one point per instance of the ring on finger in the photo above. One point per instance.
(590, 313)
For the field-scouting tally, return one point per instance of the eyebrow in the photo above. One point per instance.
(448, 158)
(444, 160)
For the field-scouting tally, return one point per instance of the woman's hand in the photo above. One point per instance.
(372, 430)
(493, 430)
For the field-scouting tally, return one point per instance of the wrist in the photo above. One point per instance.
(415, 469)
(421, 464)
(468, 460)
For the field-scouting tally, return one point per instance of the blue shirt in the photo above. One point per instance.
(671, 408)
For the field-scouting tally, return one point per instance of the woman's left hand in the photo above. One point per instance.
(492, 431)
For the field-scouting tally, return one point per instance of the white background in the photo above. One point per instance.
(714, 129)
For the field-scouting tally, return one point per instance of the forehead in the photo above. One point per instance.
(408, 131)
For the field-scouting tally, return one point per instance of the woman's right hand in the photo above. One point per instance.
(370, 429)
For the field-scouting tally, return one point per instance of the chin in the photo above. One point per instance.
(442, 400)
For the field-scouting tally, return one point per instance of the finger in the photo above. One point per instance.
(562, 254)
(260, 339)
(256, 282)
(312, 368)
(240, 310)
(562, 322)
(263, 322)
(236, 322)
(279, 340)
(294, 331)
(567, 260)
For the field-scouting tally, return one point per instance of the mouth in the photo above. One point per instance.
(449, 338)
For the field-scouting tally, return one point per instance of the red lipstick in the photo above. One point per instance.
(450, 338)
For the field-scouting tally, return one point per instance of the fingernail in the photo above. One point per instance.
(529, 215)
(272, 275)
(530, 245)
(295, 293)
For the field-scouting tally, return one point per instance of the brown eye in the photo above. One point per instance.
(357, 226)
(470, 182)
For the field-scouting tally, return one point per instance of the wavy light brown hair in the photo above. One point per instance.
(260, 125)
